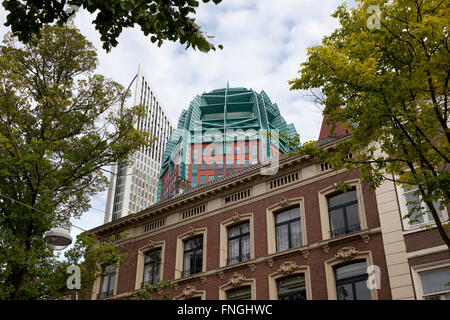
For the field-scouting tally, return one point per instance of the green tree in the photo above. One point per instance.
(385, 73)
(162, 288)
(59, 124)
(162, 19)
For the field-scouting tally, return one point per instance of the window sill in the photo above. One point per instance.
(363, 234)
(423, 227)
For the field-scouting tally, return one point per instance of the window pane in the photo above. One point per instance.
(362, 291)
(245, 241)
(289, 214)
(345, 292)
(233, 251)
(199, 260)
(351, 270)
(337, 222)
(105, 284)
(413, 202)
(342, 198)
(240, 294)
(353, 217)
(435, 280)
(296, 234)
(202, 179)
(292, 288)
(282, 237)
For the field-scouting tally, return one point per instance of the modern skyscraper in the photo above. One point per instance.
(133, 187)
(221, 132)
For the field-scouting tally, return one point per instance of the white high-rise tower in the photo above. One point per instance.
(133, 187)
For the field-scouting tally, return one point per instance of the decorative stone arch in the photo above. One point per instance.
(345, 255)
(285, 270)
(189, 292)
(237, 280)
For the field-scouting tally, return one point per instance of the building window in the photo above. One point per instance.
(193, 256)
(195, 155)
(343, 213)
(212, 151)
(434, 284)
(351, 281)
(220, 164)
(229, 164)
(108, 282)
(238, 243)
(152, 265)
(246, 163)
(246, 149)
(244, 293)
(203, 166)
(212, 165)
(420, 210)
(211, 178)
(237, 163)
(292, 288)
(202, 179)
(229, 148)
(288, 229)
(194, 179)
(236, 149)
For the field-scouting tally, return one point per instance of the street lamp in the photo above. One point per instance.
(57, 238)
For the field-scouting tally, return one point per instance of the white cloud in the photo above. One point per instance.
(264, 43)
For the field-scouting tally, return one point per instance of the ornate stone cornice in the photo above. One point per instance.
(346, 253)
(236, 217)
(284, 202)
(287, 267)
(237, 279)
(191, 231)
(188, 291)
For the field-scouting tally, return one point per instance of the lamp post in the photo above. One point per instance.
(58, 238)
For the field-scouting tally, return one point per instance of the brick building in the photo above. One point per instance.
(291, 235)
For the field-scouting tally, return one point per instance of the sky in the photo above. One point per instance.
(264, 44)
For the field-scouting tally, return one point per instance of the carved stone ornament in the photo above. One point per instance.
(151, 244)
(175, 286)
(220, 274)
(236, 279)
(252, 267)
(346, 253)
(188, 292)
(325, 248)
(191, 231)
(236, 216)
(270, 262)
(287, 267)
(365, 238)
(203, 279)
(284, 202)
(305, 253)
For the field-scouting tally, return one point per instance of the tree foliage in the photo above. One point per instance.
(386, 76)
(162, 19)
(162, 288)
(59, 124)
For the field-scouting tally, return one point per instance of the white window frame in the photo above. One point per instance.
(416, 270)
(404, 211)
